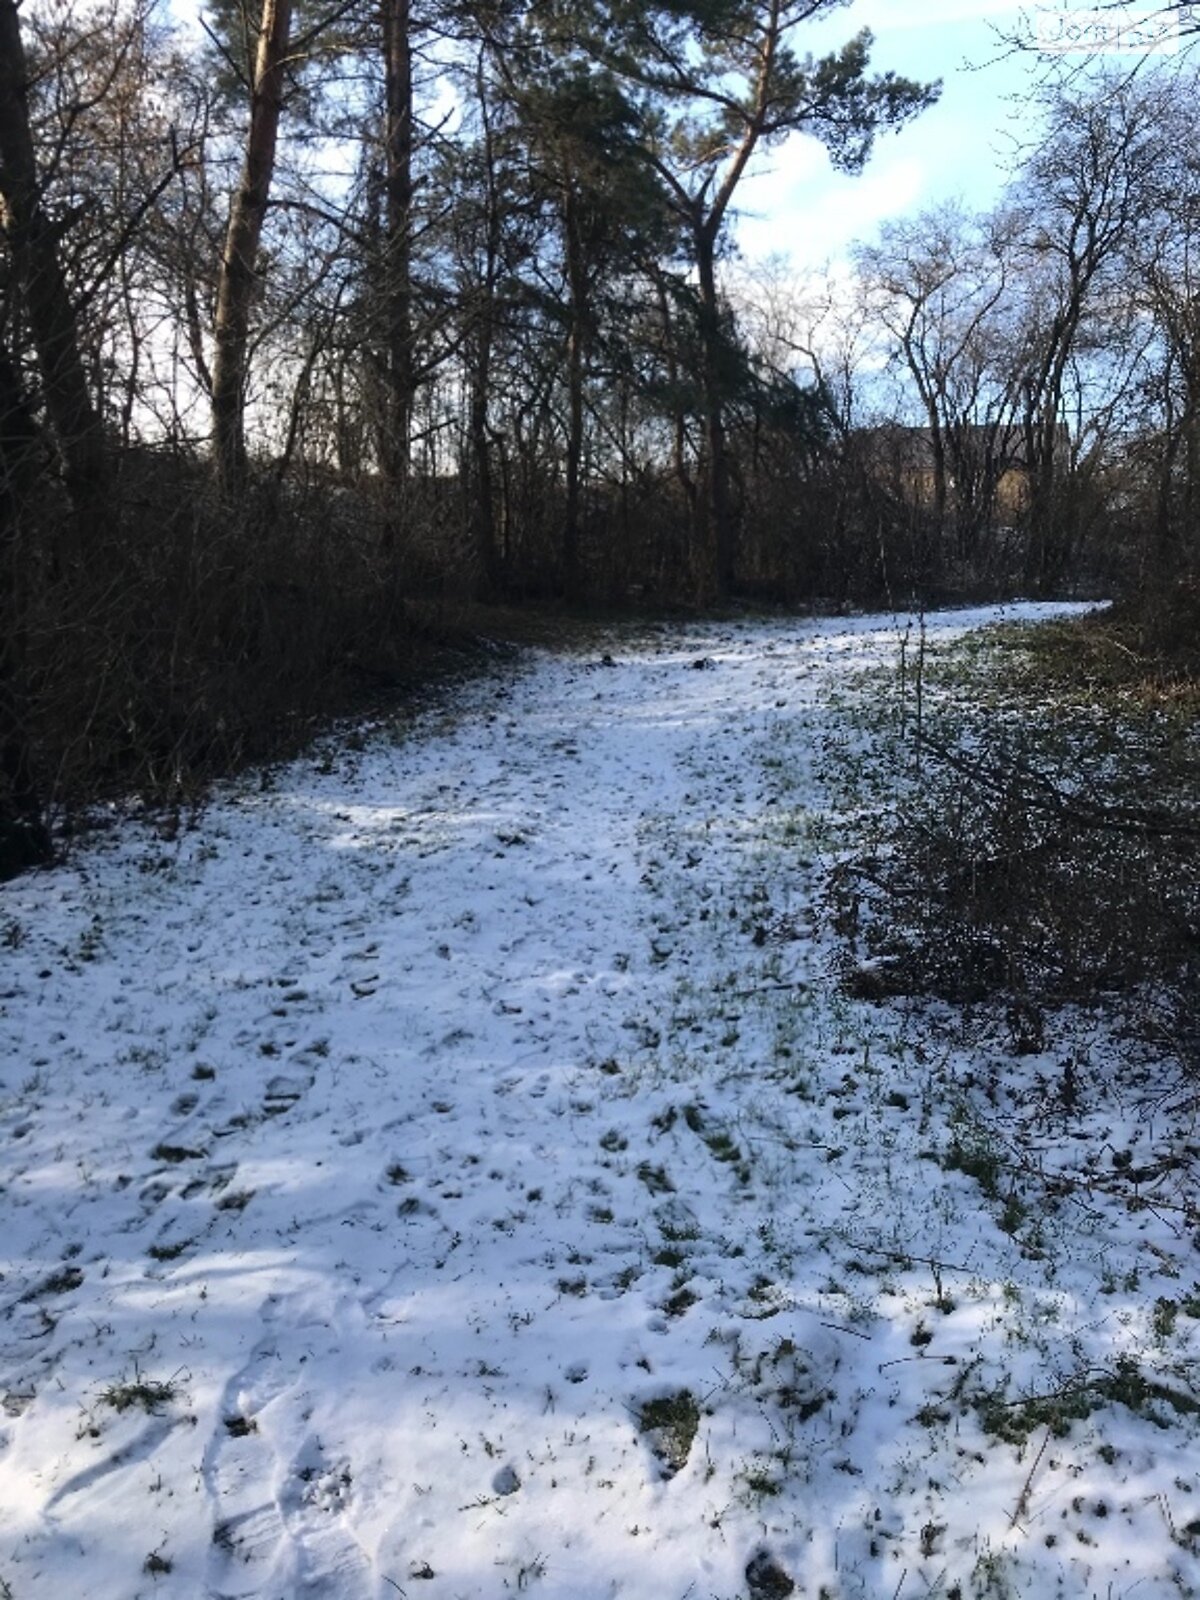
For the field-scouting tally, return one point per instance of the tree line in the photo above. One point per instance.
(328, 311)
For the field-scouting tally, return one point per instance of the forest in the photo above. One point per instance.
(599, 872)
(321, 324)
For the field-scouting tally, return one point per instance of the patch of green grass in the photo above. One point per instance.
(975, 1160)
(173, 1154)
(802, 1404)
(1129, 1386)
(1014, 1213)
(669, 1425)
(680, 1301)
(140, 1394)
(932, 1415)
(655, 1178)
(168, 1252)
(1164, 1317)
(1015, 1420)
(762, 1483)
(722, 1148)
(65, 1281)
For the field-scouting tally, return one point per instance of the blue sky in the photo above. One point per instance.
(795, 204)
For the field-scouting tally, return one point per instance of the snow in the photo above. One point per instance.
(373, 1152)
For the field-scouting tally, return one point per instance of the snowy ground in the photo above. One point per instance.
(451, 1170)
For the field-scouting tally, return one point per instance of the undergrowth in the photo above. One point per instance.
(1041, 842)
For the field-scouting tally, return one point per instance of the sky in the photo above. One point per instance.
(795, 204)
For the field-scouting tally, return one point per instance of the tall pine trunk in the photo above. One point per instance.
(718, 534)
(238, 278)
(36, 299)
(24, 836)
(480, 478)
(397, 284)
(38, 278)
(576, 340)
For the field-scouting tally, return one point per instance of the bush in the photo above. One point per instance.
(1046, 855)
(191, 641)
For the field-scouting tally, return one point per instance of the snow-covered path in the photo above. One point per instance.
(451, 1170)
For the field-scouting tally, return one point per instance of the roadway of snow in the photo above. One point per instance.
(387, 1141)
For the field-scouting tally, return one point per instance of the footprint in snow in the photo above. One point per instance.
(284, 1090)
(211, 1180)
(316, 1505)
(250, 1553)
(248, 1556)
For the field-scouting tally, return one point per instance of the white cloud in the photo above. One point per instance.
(810, 212)
(885, 16)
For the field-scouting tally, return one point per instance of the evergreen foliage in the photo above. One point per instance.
(328, 316)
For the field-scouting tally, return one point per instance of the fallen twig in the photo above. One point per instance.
(1022, 1505)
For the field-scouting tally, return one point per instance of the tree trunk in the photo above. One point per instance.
(1191, 482)
(24, 836)
(937, 450)
(38, 275)
(482, 507)
(1164, 519)
(400, 380)
(482, 510)
(1045, 510)
(238, 279)
(576, 341)
(678, 415)
(717, 542)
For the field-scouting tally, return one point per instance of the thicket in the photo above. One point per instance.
(328, 321)
(1044, 849)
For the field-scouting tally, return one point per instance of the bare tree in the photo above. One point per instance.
(934, 288)
(1164, 260)
(1077, 201)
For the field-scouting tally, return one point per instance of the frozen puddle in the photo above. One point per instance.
(451, 1171)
